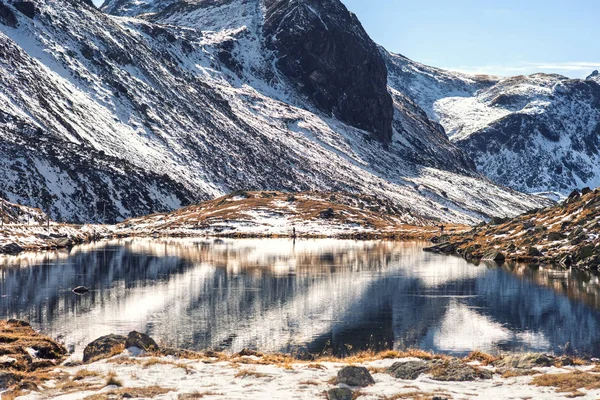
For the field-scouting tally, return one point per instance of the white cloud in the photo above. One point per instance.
(577, 69)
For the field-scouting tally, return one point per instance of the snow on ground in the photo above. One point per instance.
(245, 379)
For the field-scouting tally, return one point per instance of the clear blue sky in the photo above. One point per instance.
(508, 37)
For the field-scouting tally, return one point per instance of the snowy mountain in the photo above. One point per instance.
(112, 117)
(548, 123)
(133, 8)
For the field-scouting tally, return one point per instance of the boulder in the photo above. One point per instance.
(528, 225)
(80, 290)
(494, 255)
(525, 361)
(103, 347)
(586, 190)
(457, 371)
(327, 214)
(555, 236)
(11, 248)
(354, 376)
(18, 322)
(578, 239)
(339, 394)
(574, 195)
(8, 379)
(141, 341)
(534, 252)
(408, 370)
(585, 252)
(49, 349)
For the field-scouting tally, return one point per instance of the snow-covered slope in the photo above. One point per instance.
(538, 133)
(112, 117)
(548, 139)
(132, 8)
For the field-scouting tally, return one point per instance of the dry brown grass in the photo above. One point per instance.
(197, 395)
(17, 336)
(384, 218)
(514, 373)
(115, 351)
(157, 361)
(245, 373)
(377, 370)
(85, 373)
(12, 394)
(112, 379)
(483, 358)
(127, 393)
(568, 382)
(309, 383)
(415, 396)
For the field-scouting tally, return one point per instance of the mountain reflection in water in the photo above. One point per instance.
(316, 295)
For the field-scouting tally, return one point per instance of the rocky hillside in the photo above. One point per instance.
(549, 123)
(565, 235)
(307, 214)
(197, 99)
(16, 214)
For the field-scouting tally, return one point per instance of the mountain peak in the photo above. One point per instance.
(324, 50)
(594, 75)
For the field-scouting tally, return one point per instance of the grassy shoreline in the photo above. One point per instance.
(181, 374)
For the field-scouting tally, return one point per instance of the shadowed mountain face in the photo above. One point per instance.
(322, 295)
(327, 55)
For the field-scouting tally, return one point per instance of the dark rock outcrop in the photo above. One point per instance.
(355, 376)
(7, 17)
(141, 341)
(324, 51)
(339, 394)
(27, 8)
(11, 248)
(80, 290)
(457, 371)
(409, 370)
(103, 347)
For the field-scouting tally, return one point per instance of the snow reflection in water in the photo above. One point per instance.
(277, 295)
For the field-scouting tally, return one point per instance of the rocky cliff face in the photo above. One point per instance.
(325, 52)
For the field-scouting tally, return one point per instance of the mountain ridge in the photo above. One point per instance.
(208, 113)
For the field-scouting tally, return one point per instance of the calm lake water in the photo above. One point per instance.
(319, 295)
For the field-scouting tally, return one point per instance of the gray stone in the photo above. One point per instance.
(339, 394)
(534, 252)
(355, 376)
(554, 236)
(80, 290)
(494, 255)
(8, 379)
(408, 370)
(103, 347)
(456, 371)
(141, 341)
(525, 361)
(11, 248)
